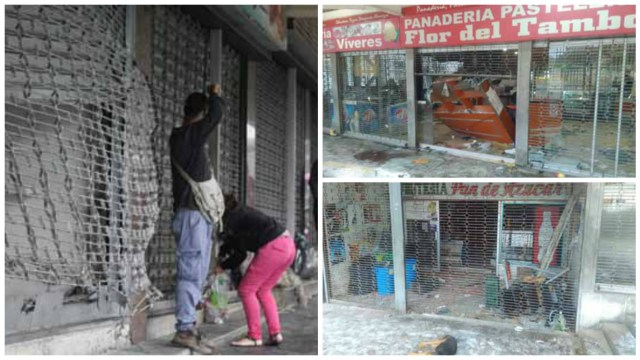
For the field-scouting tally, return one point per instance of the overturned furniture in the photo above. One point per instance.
(479, 111)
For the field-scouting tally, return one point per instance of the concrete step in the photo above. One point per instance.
(595, 342)
(161, 322)
(91, 338)
(112, 336)
(234, 326)
(620, 339)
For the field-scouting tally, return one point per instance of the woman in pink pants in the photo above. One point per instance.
(247, 229)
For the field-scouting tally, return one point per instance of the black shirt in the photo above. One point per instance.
(246, 229)
(190, 147)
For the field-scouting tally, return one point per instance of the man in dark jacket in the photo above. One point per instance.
(193, 232)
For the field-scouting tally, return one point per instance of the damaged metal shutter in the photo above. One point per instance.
(583, 107)
(616, 266)
(357, 243)
(81, 185)
(480, 259)
(374, 96)
(180, 58)
(477, 124)
(271, 106)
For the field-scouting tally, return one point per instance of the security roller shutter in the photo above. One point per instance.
(583, 106)
(357, 243)
(80, 180)
(373, 89)
(180, 55)
(271, 103)
(232, 129)
(616, 267)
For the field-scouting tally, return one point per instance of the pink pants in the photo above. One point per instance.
(266, 268)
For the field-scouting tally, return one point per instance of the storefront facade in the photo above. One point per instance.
(548, 87)
(92, 96)
(483, 251)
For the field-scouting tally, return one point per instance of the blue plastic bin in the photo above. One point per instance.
(384, 280)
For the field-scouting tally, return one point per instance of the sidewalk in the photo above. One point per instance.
(352, 330)
(299, 326)
(348, 157)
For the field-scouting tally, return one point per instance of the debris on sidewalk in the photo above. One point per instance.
(446, 345)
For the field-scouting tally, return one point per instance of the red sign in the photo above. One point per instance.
(375, 31)
(450, 25)
(456, 25)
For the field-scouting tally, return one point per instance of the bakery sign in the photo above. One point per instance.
(375, 31)
(441, 25)
(487, 191)
(457, 25)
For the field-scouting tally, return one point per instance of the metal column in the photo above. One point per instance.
(290, 162)
(336, 122)
(620, 105)
(589, 258)
(251, 134)
(595, 107)
(522, 103)
(410, 59)
(397, 242)
(215, 77)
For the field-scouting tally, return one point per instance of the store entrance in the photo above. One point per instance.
(483, 260)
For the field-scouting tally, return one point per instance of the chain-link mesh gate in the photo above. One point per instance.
(357, 242)
(327, 91)
(271, 106)
(616, 266)
(374, 93)
(81, 185)
(180, 58)
(581, 121)
(480, 259)
(466, 115)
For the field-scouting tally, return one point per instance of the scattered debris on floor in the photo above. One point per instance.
(354, 330)
(420, 161)
(446, 345)
(378, 160)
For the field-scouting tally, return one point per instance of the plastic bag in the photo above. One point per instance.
(218, 299)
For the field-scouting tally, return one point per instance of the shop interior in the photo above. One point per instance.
(454, 263)
(470, 96)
